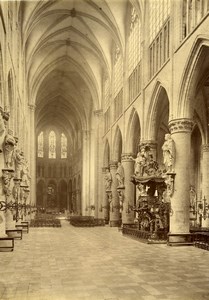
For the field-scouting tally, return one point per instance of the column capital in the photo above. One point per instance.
(181, 125)
(127, 157)
(205, 148)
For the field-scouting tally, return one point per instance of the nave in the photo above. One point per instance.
(72, 263)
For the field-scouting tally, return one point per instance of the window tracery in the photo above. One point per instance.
(63, 146)
(41, 145)
(52, 145)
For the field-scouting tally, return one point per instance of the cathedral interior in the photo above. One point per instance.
(104, 149)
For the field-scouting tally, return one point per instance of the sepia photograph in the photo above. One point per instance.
(104, 149)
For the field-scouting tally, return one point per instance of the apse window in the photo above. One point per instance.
(63, 146)
(41, 145)
(52, 145)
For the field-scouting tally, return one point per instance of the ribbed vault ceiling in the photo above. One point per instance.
(68, 49)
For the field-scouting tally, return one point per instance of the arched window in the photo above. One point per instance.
(63, 146)
(159, 11)
(159, 29)
(52, 145)
(41, 145)
(134, 41)
(118, 82)
(192, 13)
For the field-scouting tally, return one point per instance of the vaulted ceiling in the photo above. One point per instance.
(68, 46)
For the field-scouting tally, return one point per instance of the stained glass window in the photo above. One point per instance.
(118, 71)
(41, 145)
(52, 145)
(134, 41)
(63, 146)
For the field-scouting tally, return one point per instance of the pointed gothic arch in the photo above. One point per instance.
(117, 145)
(106, 156)
(133, 132)
(198, 59)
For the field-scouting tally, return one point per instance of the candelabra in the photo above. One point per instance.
(203, 208)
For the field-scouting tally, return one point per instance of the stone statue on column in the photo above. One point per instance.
(25, 173)
(120, 175)
(19, 161)
(2, 130)
(9, 145)
(6, 178)
(140, 162)
(108, 180)
(193, 198)
(168, 153)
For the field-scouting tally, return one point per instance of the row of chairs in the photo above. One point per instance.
(45, 223)
(86, 221)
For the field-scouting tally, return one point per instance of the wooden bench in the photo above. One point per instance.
(6, 244)
(14, 233)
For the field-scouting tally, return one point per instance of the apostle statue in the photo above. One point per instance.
(108, 180)
(9, 145)
(168, 153)
(120, 175)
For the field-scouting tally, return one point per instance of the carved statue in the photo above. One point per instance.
(19, 161)
(140, 162)
(120, 174)
(193, 198)
(167, 194)
(9, 144)
(168, 153)
(2, 130)
(6, 177)
(151, 167)
(25, 173)
(108, 180)
(142, 189)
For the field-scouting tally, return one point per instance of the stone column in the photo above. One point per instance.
(205, 176)
(180, 201)
(32, 155)
(114, 204)
(105, 203)
(128, 193)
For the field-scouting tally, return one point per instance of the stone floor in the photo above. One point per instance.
(99, 263)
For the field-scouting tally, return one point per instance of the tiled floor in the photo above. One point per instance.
(99, 263)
